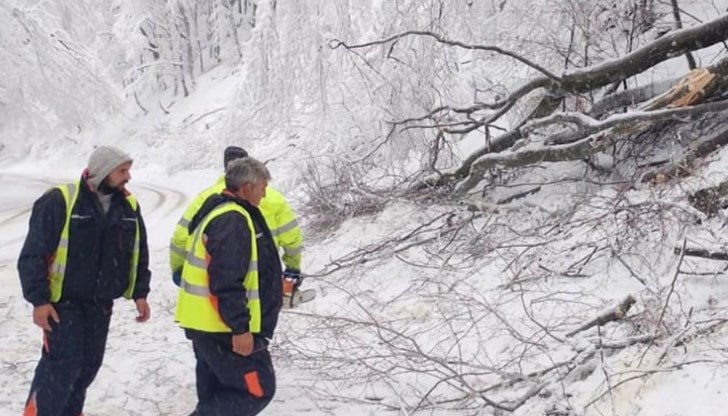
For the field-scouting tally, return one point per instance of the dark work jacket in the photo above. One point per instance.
(99, 250)
(228, 245)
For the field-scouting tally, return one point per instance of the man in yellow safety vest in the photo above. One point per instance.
(230, 295)
(86, 246)
(280, 218)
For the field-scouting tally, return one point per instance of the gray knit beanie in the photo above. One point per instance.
(102, 161)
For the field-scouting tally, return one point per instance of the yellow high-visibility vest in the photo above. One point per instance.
(196, 306)
(60, 257)
(283, 226)
(278, 215)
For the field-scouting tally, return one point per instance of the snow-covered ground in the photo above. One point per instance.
(420, 304)
(149, 367)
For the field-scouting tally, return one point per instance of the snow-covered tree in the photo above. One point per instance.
(55, 84)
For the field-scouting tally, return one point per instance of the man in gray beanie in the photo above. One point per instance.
(86, 246)
(102, 162)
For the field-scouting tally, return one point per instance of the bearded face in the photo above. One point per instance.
(118, 177)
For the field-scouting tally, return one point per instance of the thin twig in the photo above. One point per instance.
(672, 284)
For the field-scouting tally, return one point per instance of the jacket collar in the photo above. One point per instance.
(229, 195)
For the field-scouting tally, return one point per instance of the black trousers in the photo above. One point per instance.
(228, 383)
(71, 356)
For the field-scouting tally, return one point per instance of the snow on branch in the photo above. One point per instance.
(599, 138)
(693, 89)
(673, 44)
(613, 313)
(683, 165)
(489, 48)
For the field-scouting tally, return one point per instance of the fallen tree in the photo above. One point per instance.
(549, 135)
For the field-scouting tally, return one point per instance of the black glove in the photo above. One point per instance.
(177, 277)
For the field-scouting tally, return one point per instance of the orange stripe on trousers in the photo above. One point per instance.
(253, 383)
(30, 408)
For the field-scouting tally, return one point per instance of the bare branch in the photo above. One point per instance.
(612, 314)
(682, 166)
(666, 47)
(584, 80)
(672, 283)
(679, 25)
(337, 43)
(630, 98)
(599, 139)
(701, 252)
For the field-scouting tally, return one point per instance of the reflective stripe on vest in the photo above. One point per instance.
(196, 306)
(58, 266)
(284, 228)
(279, 216)
(181, 235)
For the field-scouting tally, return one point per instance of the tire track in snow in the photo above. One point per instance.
(164, 195)
(166, 201)
(20, 213)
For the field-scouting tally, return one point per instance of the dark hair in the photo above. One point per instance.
(232, 153)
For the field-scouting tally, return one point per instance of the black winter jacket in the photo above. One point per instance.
(99, 251)
(228, 244)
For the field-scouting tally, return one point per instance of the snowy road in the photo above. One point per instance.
(148, 369)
